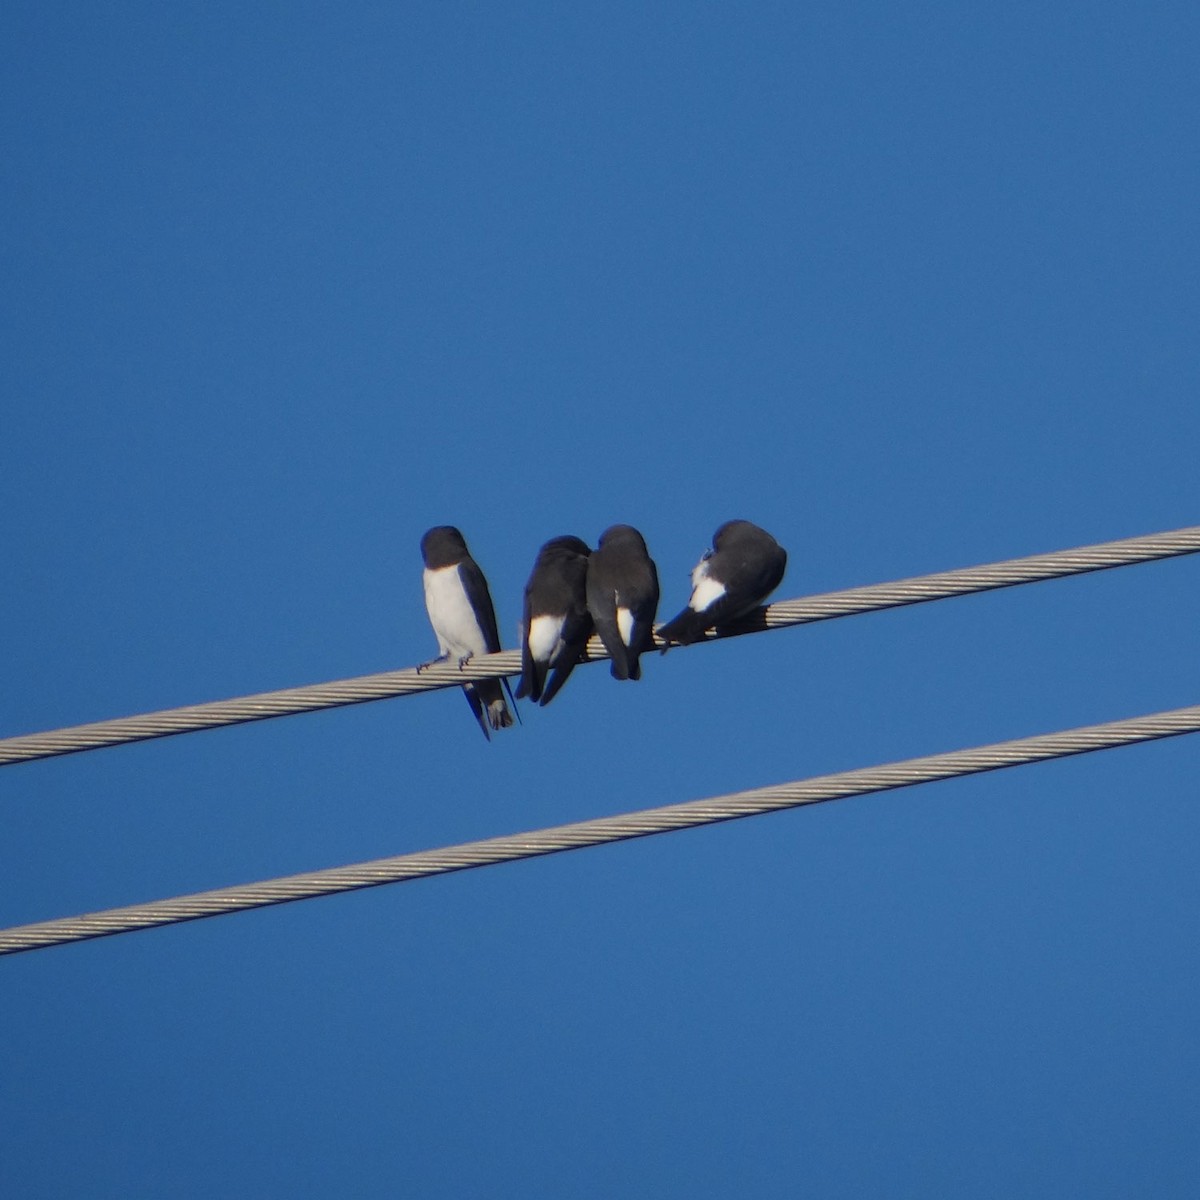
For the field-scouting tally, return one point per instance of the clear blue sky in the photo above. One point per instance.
(913, 288)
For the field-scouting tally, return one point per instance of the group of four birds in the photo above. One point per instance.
(574, 590)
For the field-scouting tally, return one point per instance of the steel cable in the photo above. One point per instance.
(410, 680)
(601, 830)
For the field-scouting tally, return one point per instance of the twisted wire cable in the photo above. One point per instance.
(408, 681)
(645, 823)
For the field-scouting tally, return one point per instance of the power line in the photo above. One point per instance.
(408, 681)
(576, 836)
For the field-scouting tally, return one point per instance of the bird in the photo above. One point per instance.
(622, 596)
(555, 623)
(744, 566)
(461, 613)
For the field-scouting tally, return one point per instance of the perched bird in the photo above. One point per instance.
(744, 566)
(556, 624)
(461, 613)
(622, 596)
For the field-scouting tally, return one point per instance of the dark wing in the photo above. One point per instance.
(576, 630)
(480, 599)
(533, 673)
(644, 612)
(750, 581)
(602, 605)
(749, 577)
(610, 635)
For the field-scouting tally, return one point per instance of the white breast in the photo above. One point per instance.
(705, 590)
(451, 615)
(545, 637)
(625, 625)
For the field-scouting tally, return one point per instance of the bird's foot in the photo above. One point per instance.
(433, 662)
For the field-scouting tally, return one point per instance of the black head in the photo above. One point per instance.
(566, 545)
(443, 546)
(733, 532)
(622, 535)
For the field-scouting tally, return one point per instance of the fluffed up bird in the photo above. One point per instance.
(461, 613)
(744, 566)
(555, 624)
(622, 596)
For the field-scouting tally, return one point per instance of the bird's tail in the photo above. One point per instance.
(533, 677)
(624, 661)
(491, 693)
(642, 643)
(476, 708)
(687, 627)
(558, 677)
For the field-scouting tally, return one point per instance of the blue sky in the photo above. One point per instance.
(913, 289)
